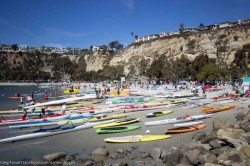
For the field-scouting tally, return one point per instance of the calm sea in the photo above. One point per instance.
(7, 91)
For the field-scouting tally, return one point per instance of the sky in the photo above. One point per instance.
(82, 23)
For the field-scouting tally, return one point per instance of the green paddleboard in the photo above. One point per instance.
(116, 129)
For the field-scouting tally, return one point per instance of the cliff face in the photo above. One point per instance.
(222, 42)
(210, 42)
(95, 61)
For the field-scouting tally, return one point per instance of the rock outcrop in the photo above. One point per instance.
(222, 146)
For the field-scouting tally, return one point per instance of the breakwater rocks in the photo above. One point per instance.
(227, 144)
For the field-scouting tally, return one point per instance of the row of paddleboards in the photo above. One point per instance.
(102, 127)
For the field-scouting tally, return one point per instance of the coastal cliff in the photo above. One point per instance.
(191, 45)
(137, 58)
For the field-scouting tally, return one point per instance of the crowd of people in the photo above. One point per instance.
(102, 89)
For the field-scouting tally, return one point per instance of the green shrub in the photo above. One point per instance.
(236, 38)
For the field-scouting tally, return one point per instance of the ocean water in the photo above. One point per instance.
(7, 103)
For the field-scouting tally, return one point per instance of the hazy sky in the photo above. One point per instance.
(81, 23)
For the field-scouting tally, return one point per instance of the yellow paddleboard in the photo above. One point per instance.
(71, 91)
(175, 101)
(118, 122)
(137, 138)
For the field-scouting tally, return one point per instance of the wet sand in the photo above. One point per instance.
(85, 141)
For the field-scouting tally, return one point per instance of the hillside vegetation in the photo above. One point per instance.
(206, 55)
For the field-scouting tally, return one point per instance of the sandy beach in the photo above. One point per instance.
(86, 141)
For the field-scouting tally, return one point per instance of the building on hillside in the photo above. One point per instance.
(6, 48)
(187, 30)
(174, 33)
(224, 25)
(245, 22)
(162, 34)
(100, 48)
(23, 48)
(146, 38)
(32, 49)
(236, 23)
(139, 39)
(95, 48)
(154, 36)
(211, 27)
(74, 51)
(105, 48)
(58, 50)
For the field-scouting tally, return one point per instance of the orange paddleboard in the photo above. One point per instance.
(185, 129)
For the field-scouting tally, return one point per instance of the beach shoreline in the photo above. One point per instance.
(17, 84)
(84, 142)
(30, 84)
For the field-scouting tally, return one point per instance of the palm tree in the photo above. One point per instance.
(201, 26)
(136, 37)
(132, 34)
(181, 29)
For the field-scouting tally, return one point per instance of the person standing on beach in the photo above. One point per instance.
(46, 97)
(43, 110)
(203, 90)
(32, 95)
(105, 91)
(21, 99)
(18, 94)
(118, 91)
(63, 109)
(24, 114)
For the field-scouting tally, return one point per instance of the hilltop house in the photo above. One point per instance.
(210, 27)
(149, 37)
(6, 47)
(245, 22)
(224, 25)
(32, 49)
(73, 51)
(162, 34)
(23, 48)
(58, 50)
(187, 30)
(174, 33)
(95, 48)
(100, 48)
